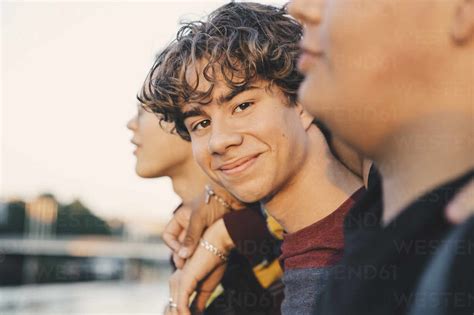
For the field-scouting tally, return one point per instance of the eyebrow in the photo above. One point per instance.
(236, 91)
(140, 99)
(193, 112)
(197, 111)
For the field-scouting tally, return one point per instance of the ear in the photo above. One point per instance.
(463, 25)
(305, 117)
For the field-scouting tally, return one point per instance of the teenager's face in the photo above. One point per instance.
(370, 65)
(158, 152)
(252, 144)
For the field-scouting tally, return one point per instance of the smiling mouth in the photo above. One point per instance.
(239, 166)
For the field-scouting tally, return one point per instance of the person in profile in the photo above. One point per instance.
(394, 79)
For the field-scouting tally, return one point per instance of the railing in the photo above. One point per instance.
(85, 247)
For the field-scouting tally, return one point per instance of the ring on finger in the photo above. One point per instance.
(172, 304)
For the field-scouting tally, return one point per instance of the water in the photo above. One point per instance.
(91, 298)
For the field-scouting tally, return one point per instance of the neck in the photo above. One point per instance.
(320, 186)
(188, 181)
(422, 156)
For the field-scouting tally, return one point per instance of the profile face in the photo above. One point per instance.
(367, 64)
(158, 152)
(252, 144)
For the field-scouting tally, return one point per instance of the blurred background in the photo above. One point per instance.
(79, 231)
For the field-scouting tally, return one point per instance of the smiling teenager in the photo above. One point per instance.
(160, 152)
(230, 87)
(394, 79)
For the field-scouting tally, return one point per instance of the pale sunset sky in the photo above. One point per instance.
(70, 72)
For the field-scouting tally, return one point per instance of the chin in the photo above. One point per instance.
(142, 174)
(247, 195)
(306, 97)
(146, 173)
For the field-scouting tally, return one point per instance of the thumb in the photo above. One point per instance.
(199, 303)
(193, 235)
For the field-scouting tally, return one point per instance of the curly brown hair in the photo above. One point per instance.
(240, 42)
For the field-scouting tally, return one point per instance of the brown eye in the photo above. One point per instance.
(201, 125)
(242, 107)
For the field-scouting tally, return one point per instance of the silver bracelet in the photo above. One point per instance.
(210, 193)
(211, 248)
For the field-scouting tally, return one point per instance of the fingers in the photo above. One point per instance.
(462, 206)
(187, 286)
(178, 261)
(199, 269)
(174, 288)
(177, 225)
(194, 231)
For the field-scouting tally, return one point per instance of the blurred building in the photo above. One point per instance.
(57, 242)
(42, 214)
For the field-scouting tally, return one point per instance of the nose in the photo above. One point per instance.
(223, 137)
(306, 11)
(132, 123)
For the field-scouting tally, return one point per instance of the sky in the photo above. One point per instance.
(70, 72)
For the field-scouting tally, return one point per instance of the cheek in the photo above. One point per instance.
(149, 132)
(360, 38)
(316, 91)
(201, 153)
(290, 145)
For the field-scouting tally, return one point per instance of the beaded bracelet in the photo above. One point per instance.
(210, 193)
(211, 248)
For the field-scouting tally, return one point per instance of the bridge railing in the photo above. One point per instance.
(85, 247)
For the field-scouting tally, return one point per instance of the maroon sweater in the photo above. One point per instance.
(309, 254)
(319, 244)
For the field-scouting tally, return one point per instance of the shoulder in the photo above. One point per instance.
(449, 277)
